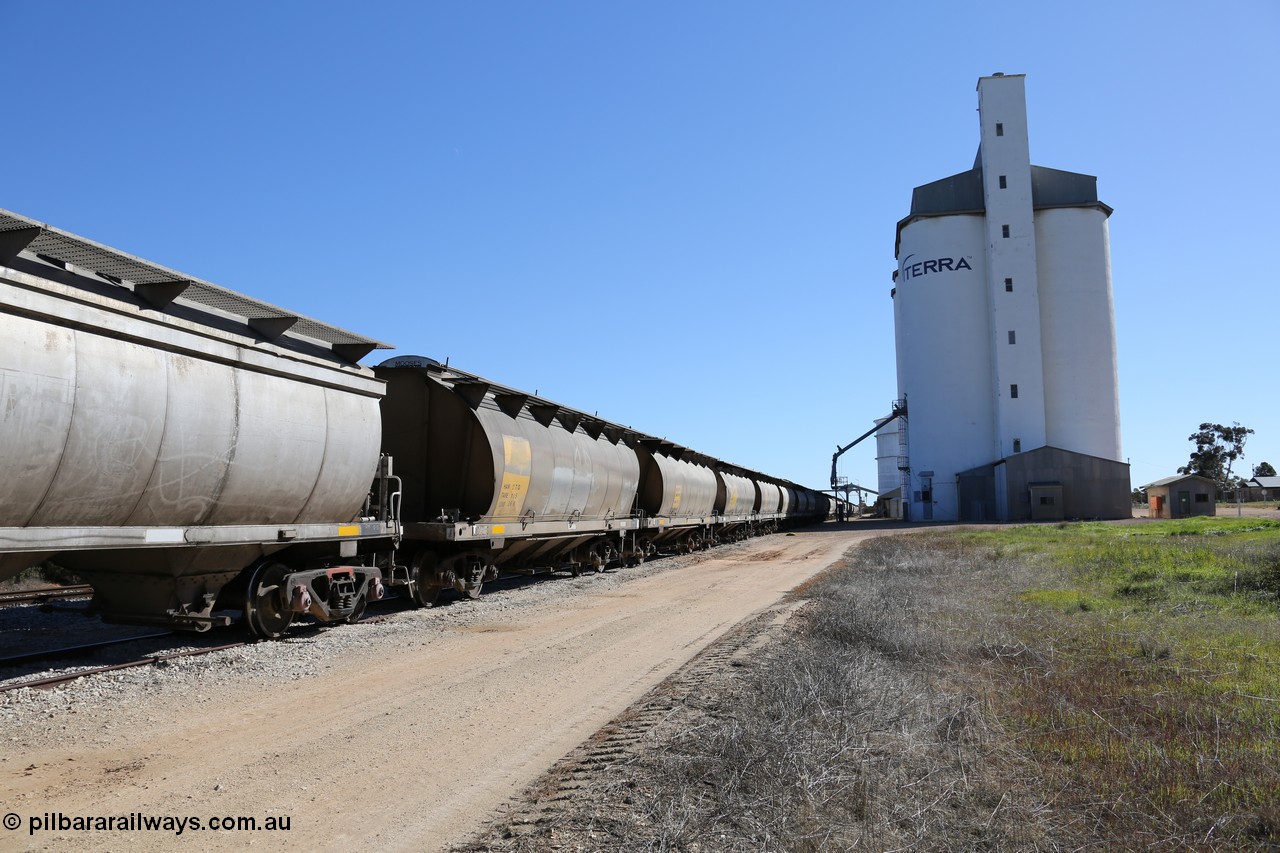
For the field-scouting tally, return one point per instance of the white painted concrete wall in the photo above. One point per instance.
(1002, 113)
(944, 353)
(1077, 318)
(887, 477)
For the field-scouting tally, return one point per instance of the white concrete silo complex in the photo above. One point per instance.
(1005, 337)
(887, 452)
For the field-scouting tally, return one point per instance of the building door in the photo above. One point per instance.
(1157, 506)
(1047, 502)
(926, 497)
(1184, 504)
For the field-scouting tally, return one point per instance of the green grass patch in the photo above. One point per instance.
(1184, 565)
(1066, 600)
(1153, 683)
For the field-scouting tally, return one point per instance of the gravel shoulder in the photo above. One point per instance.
(592, 798)
(406, 733)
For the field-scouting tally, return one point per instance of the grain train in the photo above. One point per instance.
(200, 456)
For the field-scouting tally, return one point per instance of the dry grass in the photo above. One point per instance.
(861, 732)
(45, 574)
(1069, 688)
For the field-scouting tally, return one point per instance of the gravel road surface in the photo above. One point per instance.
(404, 735)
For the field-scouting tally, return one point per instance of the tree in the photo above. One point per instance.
(1217, 449)
(1264, 469)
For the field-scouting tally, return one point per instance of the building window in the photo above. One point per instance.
(1004, 183)
(1013, 337)
(999, 129)
(1004, 230)
(1013, 392)
(1046, 500)
(1017, 445)
(1202, 498)
(1008, 285)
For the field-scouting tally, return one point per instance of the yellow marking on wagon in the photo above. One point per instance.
(499, 528)
(349, 530)
(517, 459)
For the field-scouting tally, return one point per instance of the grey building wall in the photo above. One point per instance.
(1091, 487)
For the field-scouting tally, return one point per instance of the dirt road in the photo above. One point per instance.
(406, 746)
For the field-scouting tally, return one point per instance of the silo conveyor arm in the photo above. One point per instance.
(841, 450)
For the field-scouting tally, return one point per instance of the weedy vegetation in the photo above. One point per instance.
(1147, 678)
(1071, 687)
(860, 731)
(44, 574)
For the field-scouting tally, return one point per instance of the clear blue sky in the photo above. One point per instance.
(678, 214)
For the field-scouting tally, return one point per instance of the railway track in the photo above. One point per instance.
(75, 651)
(388, 606)
(50, 681)
(151, 660)
(45, 682)
(45, 594)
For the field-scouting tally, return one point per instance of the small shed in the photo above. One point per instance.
(1264, 489)
(1182, 496)
(889, 504)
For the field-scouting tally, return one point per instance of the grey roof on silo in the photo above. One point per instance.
(962, 193)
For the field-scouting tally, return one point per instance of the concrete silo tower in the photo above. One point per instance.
(1006, 336)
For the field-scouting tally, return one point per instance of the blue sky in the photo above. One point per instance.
(678, 215)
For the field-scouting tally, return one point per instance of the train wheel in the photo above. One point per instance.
(426, 579)
(475, 579)
(265, 611)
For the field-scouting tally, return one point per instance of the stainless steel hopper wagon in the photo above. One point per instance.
(197, 455)
(165, 438)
